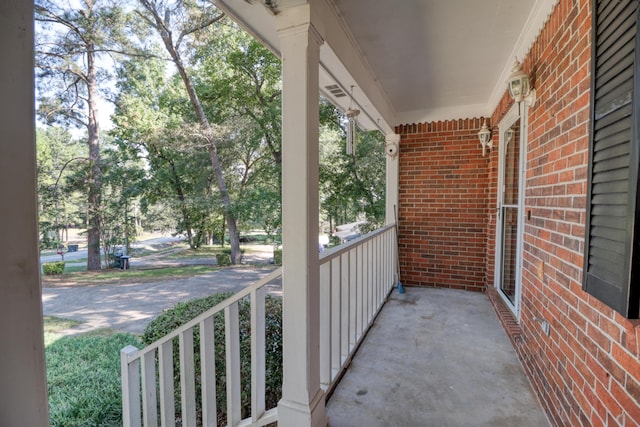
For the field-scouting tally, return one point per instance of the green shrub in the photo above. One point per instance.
(277, 256)
(171, 319)
(223, 259)
(53, 268)
(83, 378)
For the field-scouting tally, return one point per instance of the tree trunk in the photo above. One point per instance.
(95, 172)
(234, 238)
(186, 218)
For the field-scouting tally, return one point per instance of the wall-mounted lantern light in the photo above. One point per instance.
(519, 85)
(485, 138)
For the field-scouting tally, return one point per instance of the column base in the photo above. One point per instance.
(296, 414)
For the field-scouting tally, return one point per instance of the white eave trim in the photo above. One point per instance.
(444, 113)
(255, 19)
(540, 13)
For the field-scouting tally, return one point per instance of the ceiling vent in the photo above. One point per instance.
(336, 91)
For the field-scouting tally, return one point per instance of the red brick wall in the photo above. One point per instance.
(443, 210)
(587, 371)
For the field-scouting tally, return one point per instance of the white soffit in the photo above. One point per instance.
(440, 59)
(415, 60)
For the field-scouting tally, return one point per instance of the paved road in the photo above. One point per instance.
(130, 308)
(82, 253)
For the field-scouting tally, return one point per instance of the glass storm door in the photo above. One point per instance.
(510, 202)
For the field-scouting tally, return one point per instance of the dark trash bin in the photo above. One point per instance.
(124, 262)
(72, 248)
(116, 261)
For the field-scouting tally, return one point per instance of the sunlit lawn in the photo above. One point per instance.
(79, 275)
(83, 375)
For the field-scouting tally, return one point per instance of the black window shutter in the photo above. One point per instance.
(612, 200)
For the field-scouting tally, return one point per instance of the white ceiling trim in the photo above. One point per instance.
(538, 17)
(332, 71)
(256, 20)
(445, 113)
(341, 55)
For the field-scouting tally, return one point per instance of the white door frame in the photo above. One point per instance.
(517, 111)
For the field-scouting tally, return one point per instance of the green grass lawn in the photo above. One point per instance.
(79, 275)
(83, 375)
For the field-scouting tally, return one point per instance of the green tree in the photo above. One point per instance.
(240, 82)
(150, 124)
(70, 44)
(176, 23)
(123, 186)
(352, 187)
(58, 156)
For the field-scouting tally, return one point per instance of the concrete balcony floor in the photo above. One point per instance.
(435, 357)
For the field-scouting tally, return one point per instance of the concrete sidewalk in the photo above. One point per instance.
(129, 308)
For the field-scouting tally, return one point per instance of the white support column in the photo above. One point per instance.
(302, 401)
(22, 368)
(392, 148)
(392, 205)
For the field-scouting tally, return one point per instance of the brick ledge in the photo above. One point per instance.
(508, 321)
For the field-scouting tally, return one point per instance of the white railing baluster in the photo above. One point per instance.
(344, 307)
(232, 338)
(361, 294)
(187, 379)
(325, 325)
(381, 293)
(385, 257)
(208, 372)
(371, 283)
(258, 357)
(167, 395)
(335, 317)
(353, 295)
(376, 262)
(149, 395)
(130, 387)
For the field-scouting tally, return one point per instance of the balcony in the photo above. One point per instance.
(426, 357)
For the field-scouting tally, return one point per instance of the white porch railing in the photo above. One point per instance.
(355, 280)
(142, 379)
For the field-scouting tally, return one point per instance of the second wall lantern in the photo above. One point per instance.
(485, 138)
(519, 85)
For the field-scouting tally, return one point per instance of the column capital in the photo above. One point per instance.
(392, 138)
(295, 21)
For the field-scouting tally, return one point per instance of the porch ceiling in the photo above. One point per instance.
(417, 60)
(434, 55)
